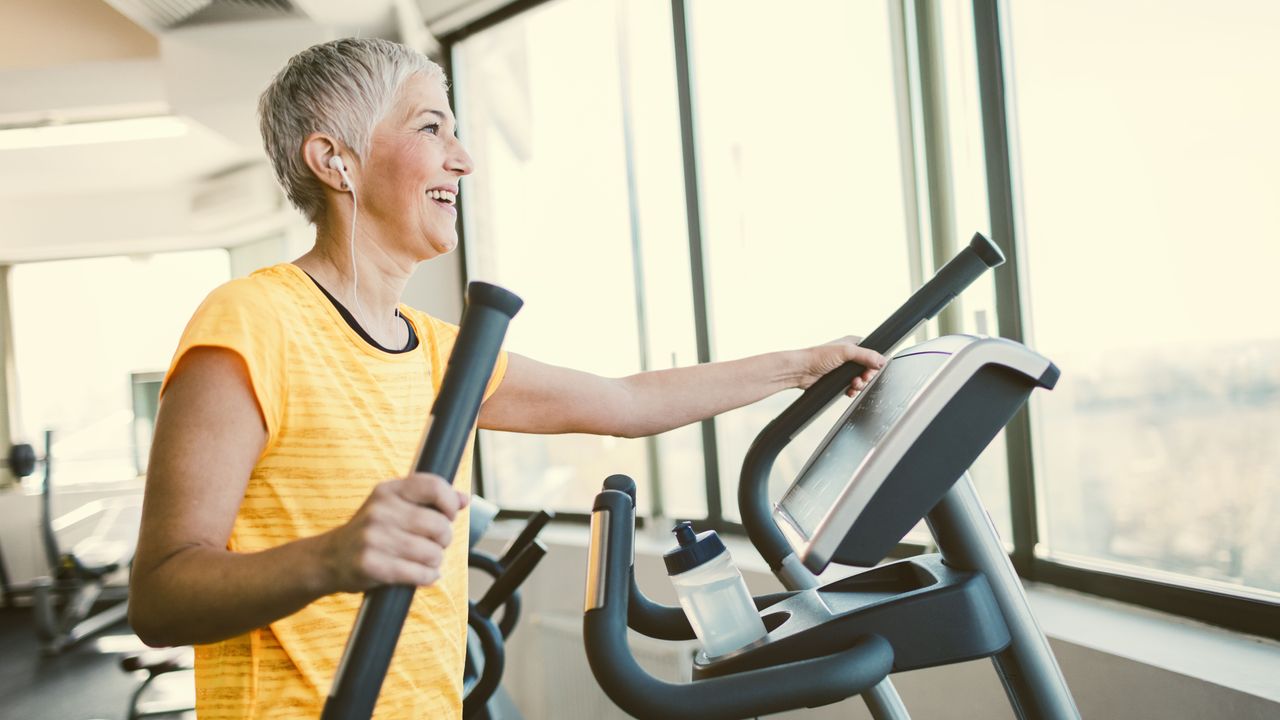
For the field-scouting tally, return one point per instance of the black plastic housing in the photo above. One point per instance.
(929, 613)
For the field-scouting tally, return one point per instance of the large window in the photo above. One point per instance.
(577, 205)
(836, 153)
(803, 220)
(90, 339)
(1148, 154)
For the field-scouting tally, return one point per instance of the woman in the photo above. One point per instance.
(296, 398)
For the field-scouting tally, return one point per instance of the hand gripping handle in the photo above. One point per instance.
(453, 415)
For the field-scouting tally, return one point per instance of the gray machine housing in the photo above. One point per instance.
(932, 412)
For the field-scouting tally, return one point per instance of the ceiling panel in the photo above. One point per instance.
(47, 33)
(110, 167)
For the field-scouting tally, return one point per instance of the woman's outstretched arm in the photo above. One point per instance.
(536, 397)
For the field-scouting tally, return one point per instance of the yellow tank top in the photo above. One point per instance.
(341, 416)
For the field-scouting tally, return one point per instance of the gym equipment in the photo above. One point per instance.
(483, 674)
(508, 570)
(368, 653)
(157, 663)
(486, 655)
(897, 454)
(63, 602)
(21, 462)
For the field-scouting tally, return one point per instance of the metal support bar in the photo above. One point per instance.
(968, 541)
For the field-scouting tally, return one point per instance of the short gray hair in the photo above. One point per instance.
(343, 88)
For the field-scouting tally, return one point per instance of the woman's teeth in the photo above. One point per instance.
(443, 196)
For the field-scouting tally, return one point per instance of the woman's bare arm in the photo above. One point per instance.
(535, 397)
(186, 587)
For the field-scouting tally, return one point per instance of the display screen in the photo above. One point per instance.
(837, 459)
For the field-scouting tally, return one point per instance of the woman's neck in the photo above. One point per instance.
(379, 281)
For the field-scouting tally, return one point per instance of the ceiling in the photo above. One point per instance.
(203, 61)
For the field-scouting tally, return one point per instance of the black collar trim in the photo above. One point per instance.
(351, 320)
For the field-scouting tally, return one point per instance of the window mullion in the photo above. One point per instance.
(1004, 232)
(697, 268)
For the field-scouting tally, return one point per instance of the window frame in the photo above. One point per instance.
(1233, 611)
(911, 19)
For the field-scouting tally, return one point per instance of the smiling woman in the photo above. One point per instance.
(277, 485)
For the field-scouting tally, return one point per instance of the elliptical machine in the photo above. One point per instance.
(484, 698)
(63, 602)
(899, 453)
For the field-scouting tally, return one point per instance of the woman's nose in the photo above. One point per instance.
(459, 161)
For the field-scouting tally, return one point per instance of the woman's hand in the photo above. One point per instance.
(397, 537)
(820, 360)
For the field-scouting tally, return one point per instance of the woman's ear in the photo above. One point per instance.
(318, 151)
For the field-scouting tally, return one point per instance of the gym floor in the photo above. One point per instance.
(82, 683)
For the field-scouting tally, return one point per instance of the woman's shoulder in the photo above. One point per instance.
(262, 299)
(263, 289)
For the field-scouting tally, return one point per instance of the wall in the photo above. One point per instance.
(63, 32)
(6, 375)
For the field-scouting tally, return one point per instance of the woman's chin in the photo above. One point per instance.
(442, 244)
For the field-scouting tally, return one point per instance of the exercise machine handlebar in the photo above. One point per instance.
(505, 584)
(377, 629)
(496, 568)
(651, 618)
(526, 536)
(495, 661)
(753, 496)
(810, 682)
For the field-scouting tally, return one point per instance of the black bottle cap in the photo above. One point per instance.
(693, 550)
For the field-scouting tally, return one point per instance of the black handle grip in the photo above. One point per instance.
(511, 578)
(622, 483)
(489, 565)
(494, 662)
(526, 536)
(803, 683)
(453, 415)
(929, 300)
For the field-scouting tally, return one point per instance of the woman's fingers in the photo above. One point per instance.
(866, 357)
(872, 361)
(431, 490)
(417, 549)
(398, 536)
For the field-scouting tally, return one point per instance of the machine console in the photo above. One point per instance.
(902, 443)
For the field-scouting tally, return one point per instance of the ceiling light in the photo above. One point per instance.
(92, 133)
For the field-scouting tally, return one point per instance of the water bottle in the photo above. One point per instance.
(712, 592)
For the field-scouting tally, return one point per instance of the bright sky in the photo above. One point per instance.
(1149, 154)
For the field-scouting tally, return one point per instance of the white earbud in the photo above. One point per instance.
(336, 163)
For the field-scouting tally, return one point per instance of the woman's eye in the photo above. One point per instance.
(433, 128)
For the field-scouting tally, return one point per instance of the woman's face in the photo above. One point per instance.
(408, 184)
